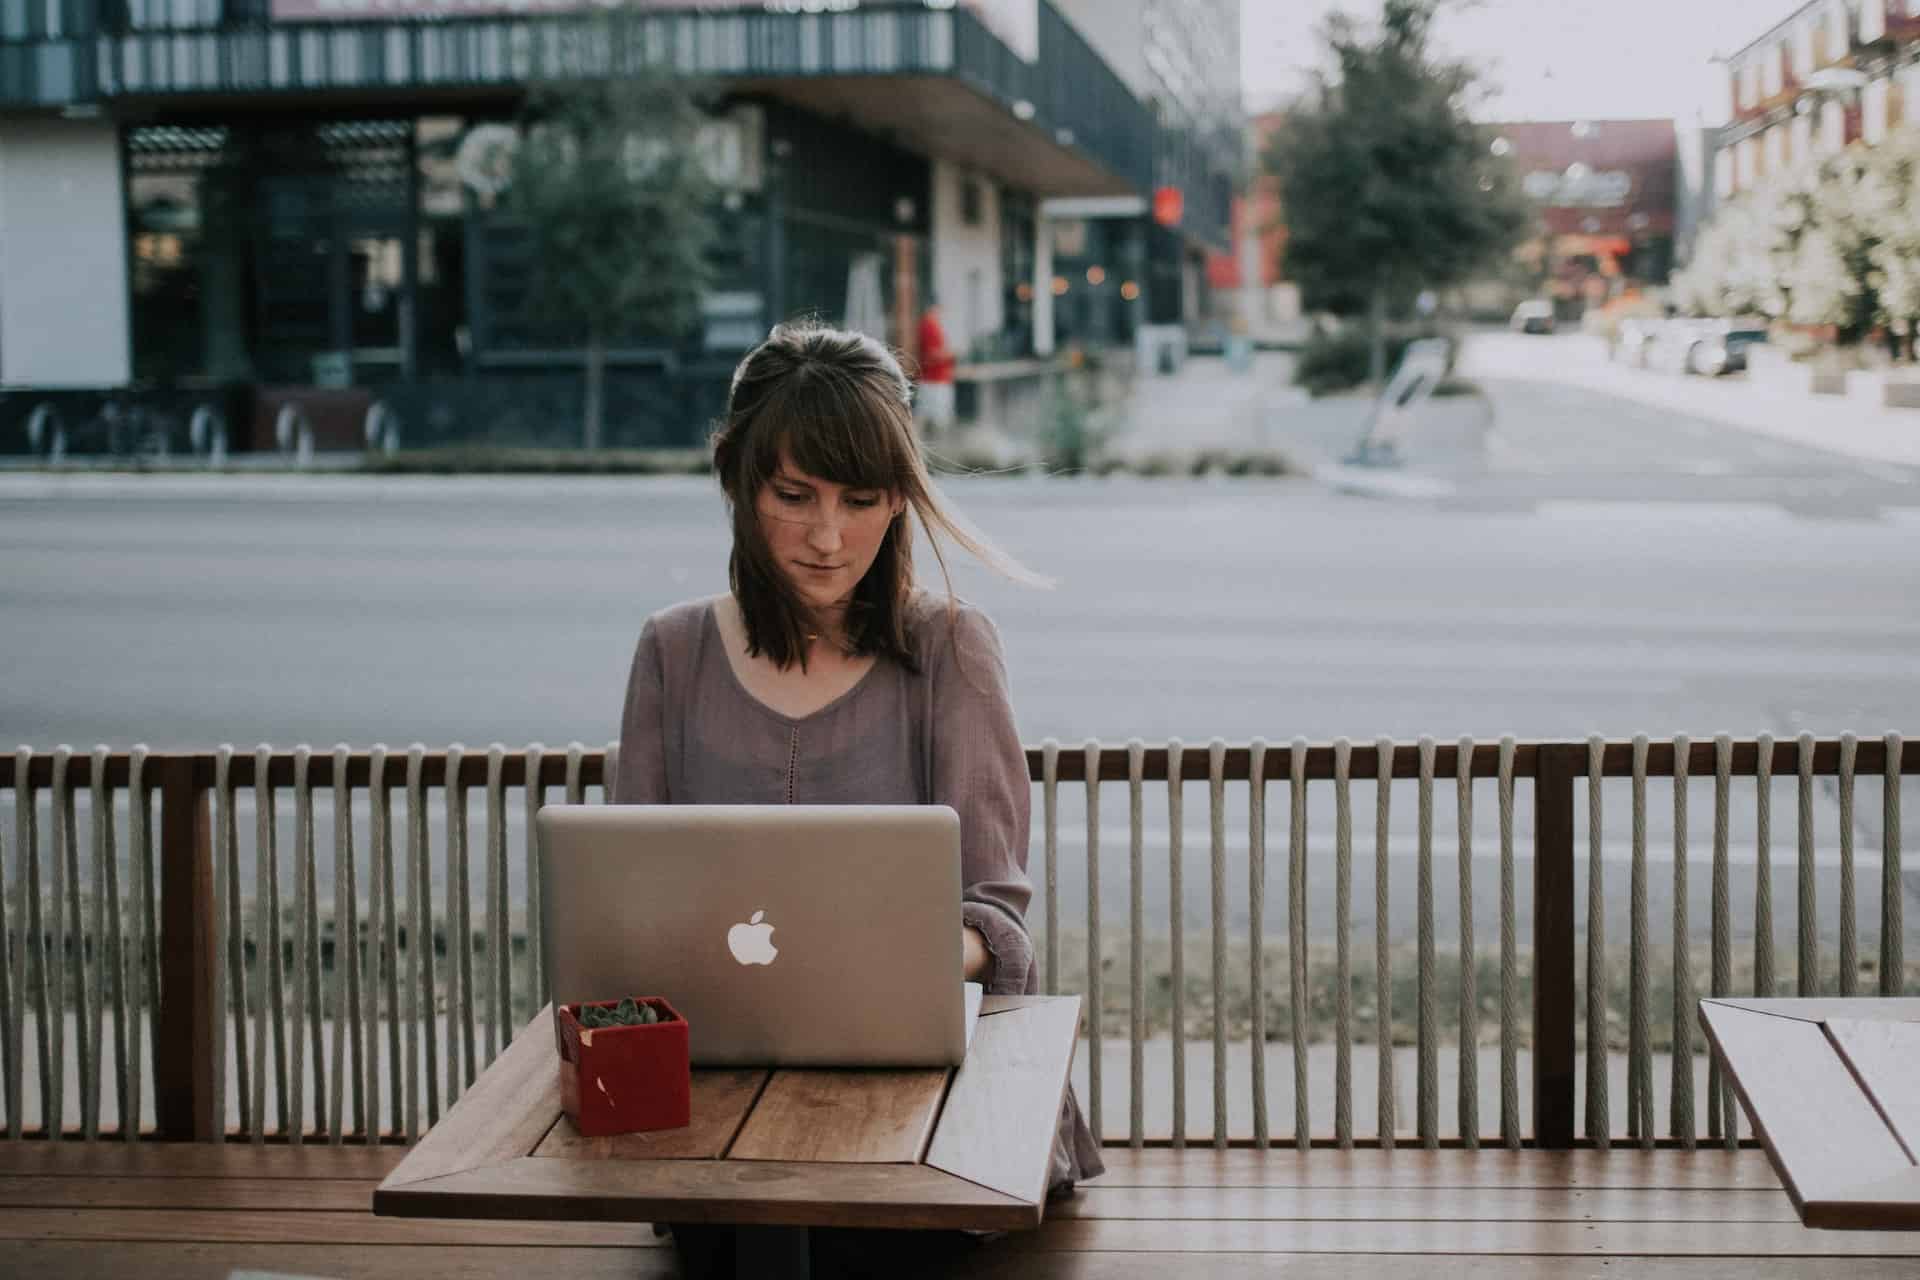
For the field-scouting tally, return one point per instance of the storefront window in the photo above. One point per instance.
(187, 256)
(275, 254)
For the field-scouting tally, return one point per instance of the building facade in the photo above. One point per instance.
(1181, 59)
(1831, 73)
(240, 204)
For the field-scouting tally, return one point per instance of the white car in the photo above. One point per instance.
(1535, 315)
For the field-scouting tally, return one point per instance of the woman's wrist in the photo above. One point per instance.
(976, 959)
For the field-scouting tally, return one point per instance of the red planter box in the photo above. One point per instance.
(624, 1079)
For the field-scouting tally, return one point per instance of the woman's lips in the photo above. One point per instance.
(818, 568)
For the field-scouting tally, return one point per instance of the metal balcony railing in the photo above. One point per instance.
(249, 995)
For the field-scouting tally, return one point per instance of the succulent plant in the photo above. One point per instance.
(626, 1014)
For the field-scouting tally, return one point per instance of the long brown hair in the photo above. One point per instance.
(838, 406)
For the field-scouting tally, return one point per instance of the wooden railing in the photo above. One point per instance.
(195, 976)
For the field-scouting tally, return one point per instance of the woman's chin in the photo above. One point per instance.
(816, 595)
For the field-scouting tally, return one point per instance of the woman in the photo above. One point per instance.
(825, 676)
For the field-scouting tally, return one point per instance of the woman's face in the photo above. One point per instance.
(823, 536)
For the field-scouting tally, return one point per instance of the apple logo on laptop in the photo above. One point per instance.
(752, 942)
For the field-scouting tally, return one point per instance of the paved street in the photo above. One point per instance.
(1598, 566)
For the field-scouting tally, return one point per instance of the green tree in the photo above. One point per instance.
(1387, 187)
(609, 183)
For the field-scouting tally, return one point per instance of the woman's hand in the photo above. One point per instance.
(977, 958)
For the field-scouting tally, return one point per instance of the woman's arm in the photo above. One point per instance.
(642, 774)
(980, 769)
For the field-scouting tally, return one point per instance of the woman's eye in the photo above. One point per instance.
(791, 499)
(863, 503)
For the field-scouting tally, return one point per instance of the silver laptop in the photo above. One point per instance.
(787, 935)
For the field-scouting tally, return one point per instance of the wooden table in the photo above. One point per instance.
(774, 1151)
(1833, 1089)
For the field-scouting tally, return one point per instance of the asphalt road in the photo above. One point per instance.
(1593, 567)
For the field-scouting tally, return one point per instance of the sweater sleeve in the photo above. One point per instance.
(642, 775)
(980, 770)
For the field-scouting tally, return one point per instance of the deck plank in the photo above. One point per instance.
(1425, 1204)
(1468, 1236)
(990, 1265)
(1330, 1215)
(89, 1260)
(1488, 1168)
(277, 1195)
(196, 1160)
(236, 1226)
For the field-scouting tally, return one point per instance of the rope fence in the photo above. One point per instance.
(250, 987)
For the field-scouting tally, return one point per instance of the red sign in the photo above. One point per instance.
(1169, 205)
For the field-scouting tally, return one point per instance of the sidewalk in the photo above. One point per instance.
(1207, 407)
(1831, 423)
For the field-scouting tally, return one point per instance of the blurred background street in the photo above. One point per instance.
(1589, 564)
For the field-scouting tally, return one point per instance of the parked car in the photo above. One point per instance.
(1535, 315)
(1720, 346)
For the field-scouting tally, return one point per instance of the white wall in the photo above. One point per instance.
(63, 255)
(966, 258)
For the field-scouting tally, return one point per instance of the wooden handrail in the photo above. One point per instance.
(1617, 762)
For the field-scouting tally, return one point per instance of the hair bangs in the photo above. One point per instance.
(834, 430)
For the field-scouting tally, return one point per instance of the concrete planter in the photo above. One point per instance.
(1884, 388)
(1902, 391)
(1867, 386)
(1772, 369)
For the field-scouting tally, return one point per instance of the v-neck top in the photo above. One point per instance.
(691, 733)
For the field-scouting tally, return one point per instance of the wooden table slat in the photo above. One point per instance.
(1891, 1203)
(1015, 1072)
(843, 1116)
(746, 1192)
(1821, 1008)
(1886, 1058)
(1822, 1132)
(721, 1099)
(503, 1116)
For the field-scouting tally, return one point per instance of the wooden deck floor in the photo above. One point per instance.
(149, 1210)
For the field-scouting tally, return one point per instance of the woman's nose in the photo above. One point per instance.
(824, 533)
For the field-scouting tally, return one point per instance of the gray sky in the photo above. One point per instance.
(1549, 59)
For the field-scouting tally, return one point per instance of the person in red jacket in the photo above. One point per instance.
(935, 396)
